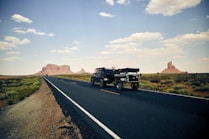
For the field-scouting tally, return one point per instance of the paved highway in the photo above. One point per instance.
(127, 114)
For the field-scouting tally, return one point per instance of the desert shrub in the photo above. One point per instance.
(3, 96)
(168, 82)
(203, 87)
(180, 90)
(11, 94)
(37, 83)
(179, 80)
(146, 85)
(10, 101)
(196, 83)
(154, 80)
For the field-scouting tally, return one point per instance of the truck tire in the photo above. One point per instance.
(92, 82)
(135, 86)
(119, 85)
(102, 83)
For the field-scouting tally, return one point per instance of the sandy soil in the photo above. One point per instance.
(38, 116)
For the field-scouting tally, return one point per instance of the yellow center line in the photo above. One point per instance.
(111, 92)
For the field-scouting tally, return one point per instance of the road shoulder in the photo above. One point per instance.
(38, 116)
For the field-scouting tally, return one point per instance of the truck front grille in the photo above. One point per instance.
(132, 78)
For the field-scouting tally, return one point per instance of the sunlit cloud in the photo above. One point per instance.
(13, 58)
(66, 50)
(123, 2)
(16, 41)
(188, 38)
(170, 7)
(19, 18)
(13, 53)
(110, 2)
(104, 14)
(4, 45)
(33, 31)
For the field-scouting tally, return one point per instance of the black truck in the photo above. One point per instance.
(118, 77)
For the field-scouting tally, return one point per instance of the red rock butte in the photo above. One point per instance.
(52, 69)
(171, 69)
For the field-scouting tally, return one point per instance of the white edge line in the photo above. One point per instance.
(173, 94)
(104, 127)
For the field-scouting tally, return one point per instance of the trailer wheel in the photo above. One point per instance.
(135, 86)
(119, 85)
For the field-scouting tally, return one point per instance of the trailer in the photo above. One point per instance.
(118, 77)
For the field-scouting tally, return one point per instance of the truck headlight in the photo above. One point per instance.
(105, 79)
(122, 79)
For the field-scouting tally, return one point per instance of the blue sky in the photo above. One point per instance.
(92, 33)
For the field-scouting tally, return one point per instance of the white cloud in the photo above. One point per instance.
(147, 45)
(13, 52)
(188, 38)
(6, 45)
(13, 58)
(205, 59)
(19, 18)
(16, 41)
(170, 7)
(207, 16)
(51, 34)
(66, 50)
(123, 2)
(110, 2)
(142, 45)
(33, 31)
(139, 37)
(104, 14)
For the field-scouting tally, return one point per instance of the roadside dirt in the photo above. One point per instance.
(38, 116)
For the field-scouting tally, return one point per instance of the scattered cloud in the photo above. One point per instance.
(16, 41)
(141, 45)
(11, 42)
(188, 39)
(6, 45)
(170, 7)
(110, 2)
(33, 31)
(51, 34)
(207, 16)
(104, 14)
(66, 50)
(206, 59)
(9, 59)
(13, 53)
(123, 2)
(19, 18)
(153, 45)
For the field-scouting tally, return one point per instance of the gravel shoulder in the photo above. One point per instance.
(38, 116)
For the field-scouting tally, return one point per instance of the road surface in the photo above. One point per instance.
(108, 113)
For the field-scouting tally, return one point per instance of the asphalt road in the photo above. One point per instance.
(132, 114)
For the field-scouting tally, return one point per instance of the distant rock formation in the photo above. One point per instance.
(52, 69)
(82, 71)
(171, 69)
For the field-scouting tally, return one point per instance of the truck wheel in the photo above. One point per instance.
(102, 84)
(135, 86)
(119, 85)
(92, 82)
